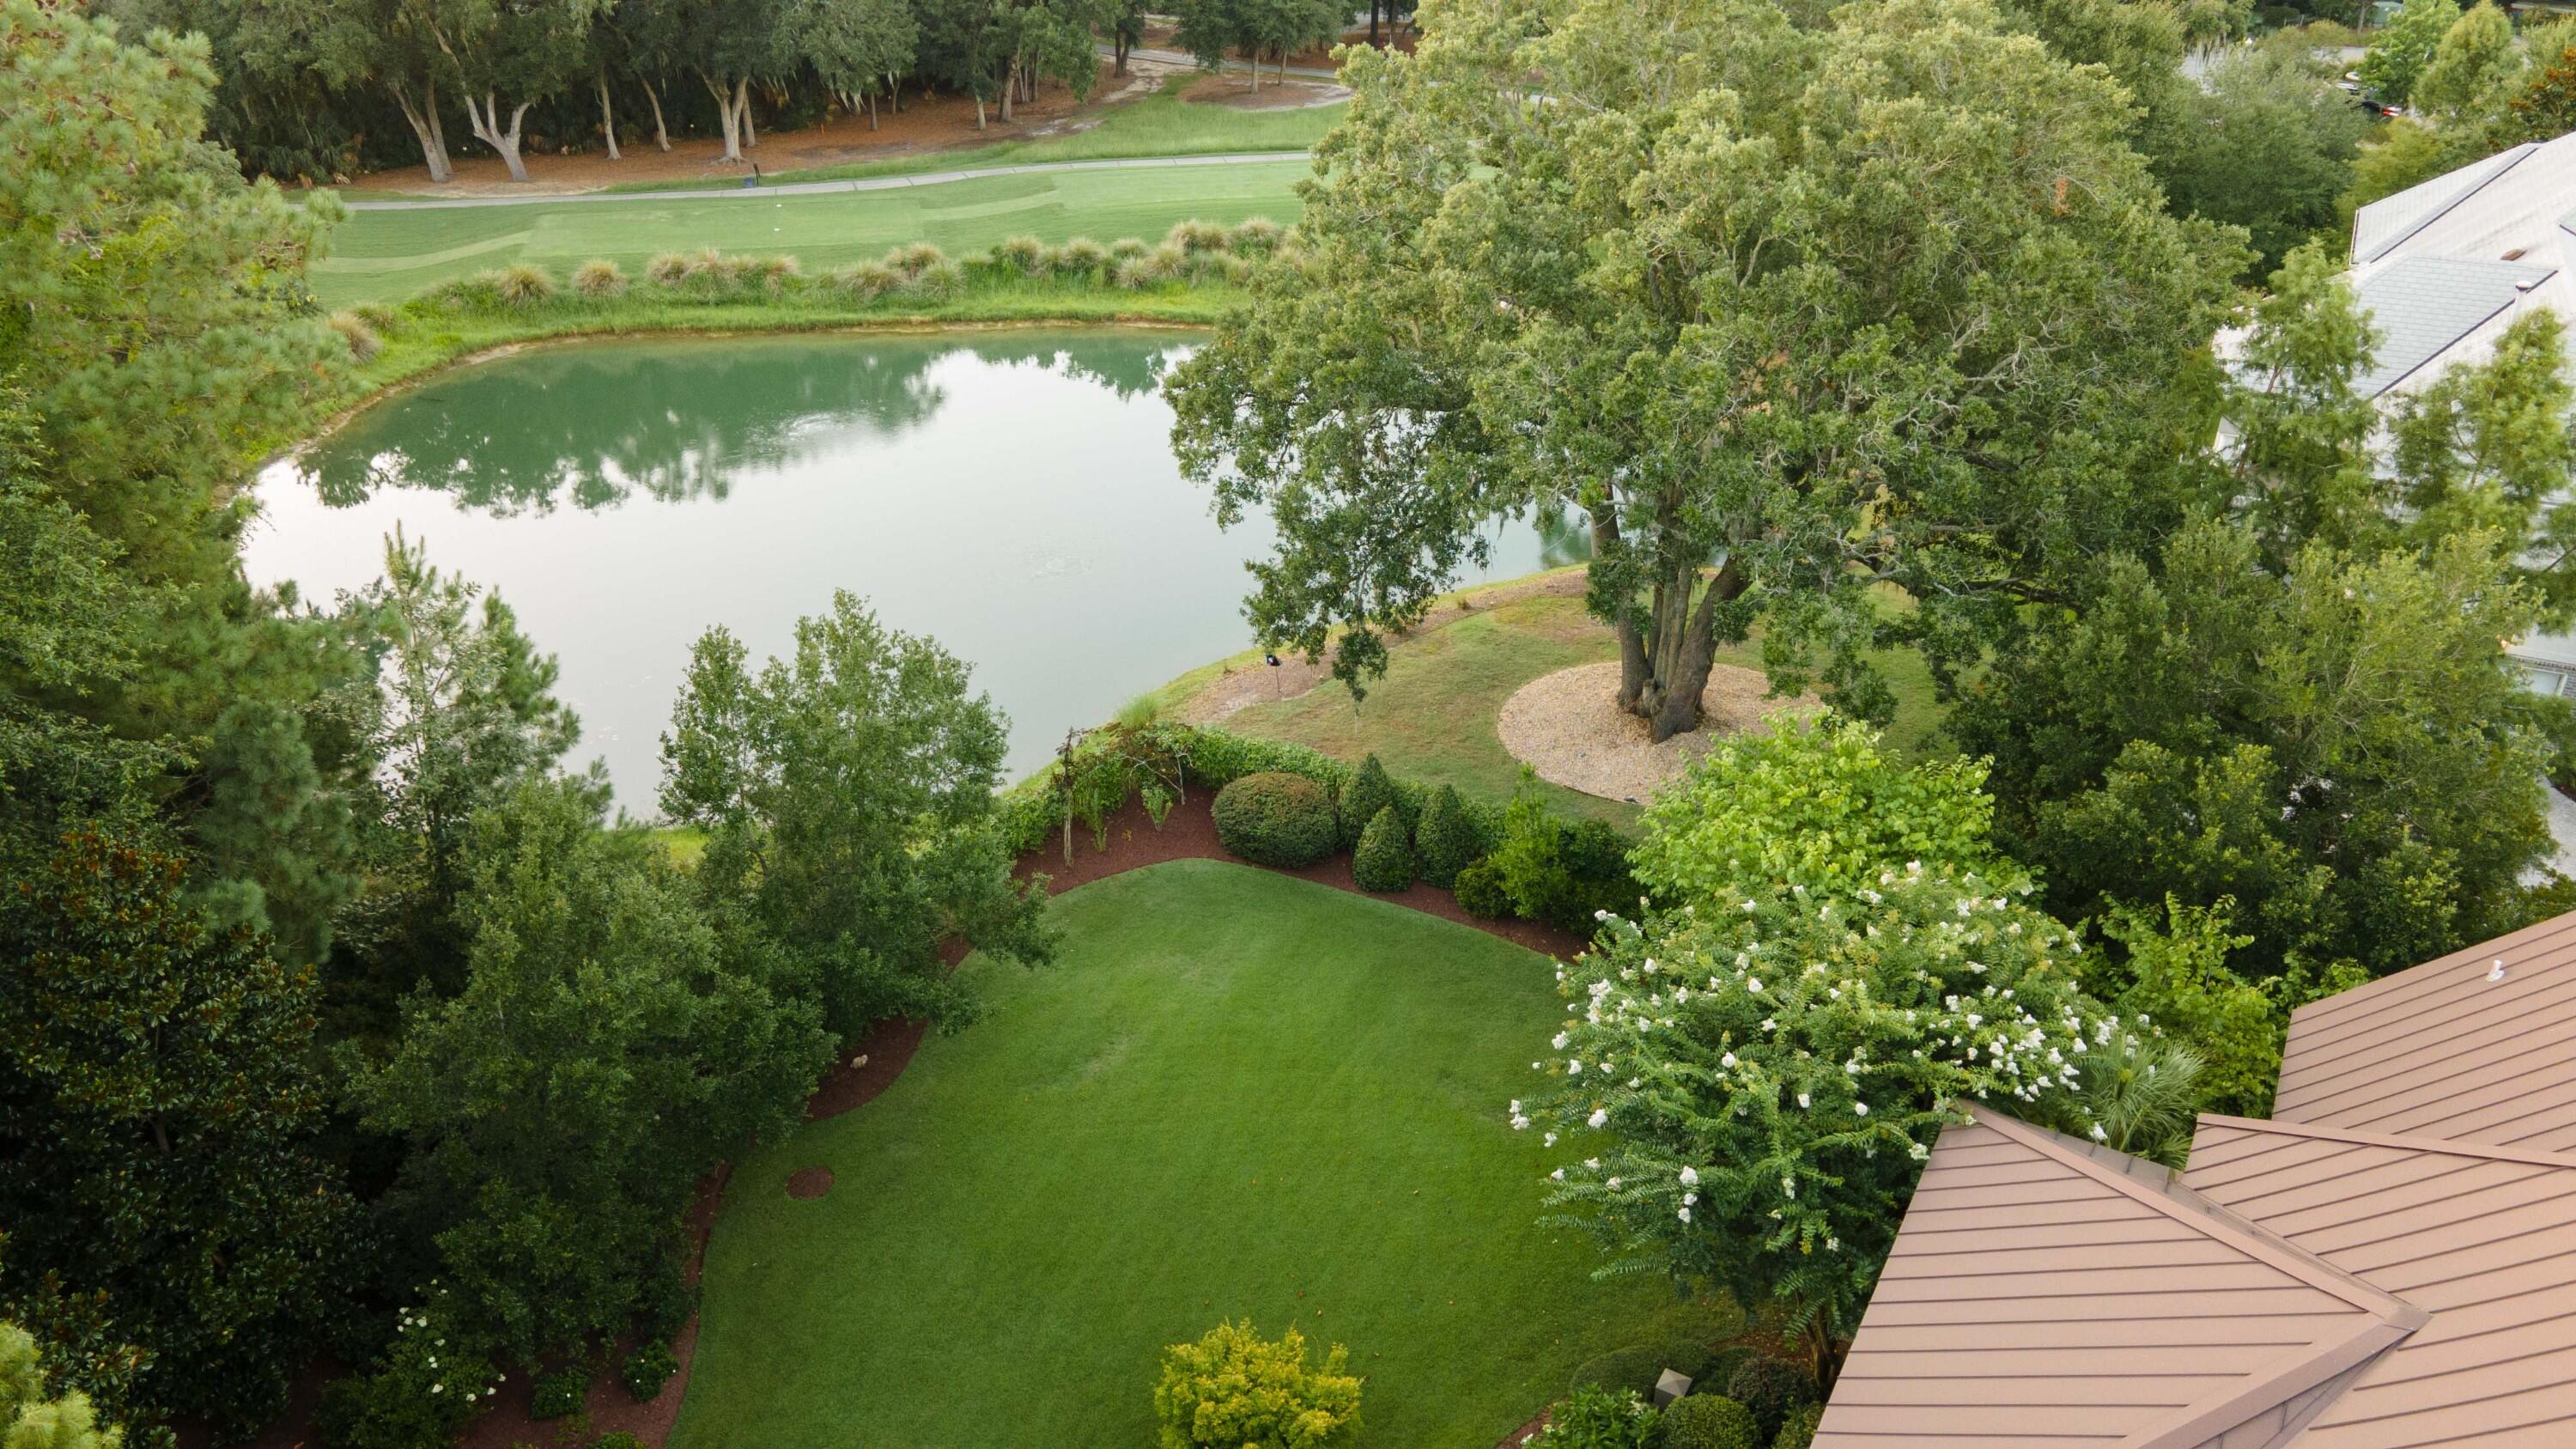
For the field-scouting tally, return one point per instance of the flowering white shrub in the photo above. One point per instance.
(1747, 1090)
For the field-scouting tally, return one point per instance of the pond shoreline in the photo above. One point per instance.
(413, 378)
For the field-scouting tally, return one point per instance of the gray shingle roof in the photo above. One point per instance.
(2391, 219)
(2422, 305)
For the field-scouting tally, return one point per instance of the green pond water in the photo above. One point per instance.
(1012, 494)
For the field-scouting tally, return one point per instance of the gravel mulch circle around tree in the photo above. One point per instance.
(1568, 726)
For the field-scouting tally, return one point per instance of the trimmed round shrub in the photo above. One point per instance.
(646, 1372)
(1445, 841)
(558, 1394)
(1196, 236)
(1481, 892)
(940, 280)
(1602, 1418)
(1798, 1430)
(866, 281)
(1275, 818)
(598, 278)
(1384, 859)
(1367, 792)
(363, 342)
(1023, 254)
(667, 269)
(1770, 1387)
(523, 285)
(1710, 1421)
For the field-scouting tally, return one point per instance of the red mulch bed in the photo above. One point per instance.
(1132, 841)
(808, 1183)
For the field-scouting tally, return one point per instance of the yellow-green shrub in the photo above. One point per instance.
(1234, 1389)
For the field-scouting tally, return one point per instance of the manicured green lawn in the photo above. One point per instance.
(1433, 716)
(384, 256)
(1161, 124)
(1237, 1094)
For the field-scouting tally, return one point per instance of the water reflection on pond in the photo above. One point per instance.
(1012, 494)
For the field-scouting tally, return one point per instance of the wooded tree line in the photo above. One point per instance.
(340, 1016)
(319, 88)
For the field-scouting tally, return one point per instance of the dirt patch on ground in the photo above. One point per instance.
(1568, 726)
(925, 125)
(808, 1183)
(1245, 685)
(1234, 91)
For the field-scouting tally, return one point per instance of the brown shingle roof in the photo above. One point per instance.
(2442, 1051)
(2392, 1263)
(2048, 1293)
(2482, 1237)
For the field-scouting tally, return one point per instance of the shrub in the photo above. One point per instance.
(1255, 236)
(1710, 1421)
(1561, 872)
(1384, 860)
(1196, 236)
(363, 342)
(915, 259)
(1023, 254)
(666, 269)
(1446, 839)
(598, 278)
(1481, 893)
(1127, 249)
(1156, 268)
(523, 285)
(1798, 1430)
(1770, 1387)
(649, 1369)
(558, 1394)
(866, 281)
(940, 280)
(1275, 818)
(1081, 257)
(1367, 792)
(1600, 1418)
(1235, 1389)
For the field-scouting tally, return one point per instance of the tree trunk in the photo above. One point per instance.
(979, 110)
(1010, 89)
(661, 133)
(742, 103)
(607, 118)
(872, 110)
(726, 114)
(1118, 44)
(425, 125)
(1375, 6)
(486, 122)
(894, 92)
(1682, 648)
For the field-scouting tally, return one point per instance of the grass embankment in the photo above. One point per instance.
(1433, 716)
(1181, 1121)
(1189, 277)
(1161, 124)
(382, 256)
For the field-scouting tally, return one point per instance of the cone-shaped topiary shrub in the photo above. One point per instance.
(1710, 1421)
(1275, 818)
(1367, 792)
(1446, 840)
(1770, 1387)
(1384, 860)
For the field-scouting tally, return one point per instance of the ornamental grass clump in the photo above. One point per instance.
(667, 269)
(1233, 1389)
(523, 285)
(1196, 236)
(777, 274)
(937, 282)
(1255, 236)
(1023, 254)
(1711, 1421)
(1384, 859)
(599, 278)
(1127, 249)
(1080, 257)
(914, 258)
(363, 342)
(865, 281)
(1275, 818)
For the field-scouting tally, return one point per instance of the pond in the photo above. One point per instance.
(1011, 494)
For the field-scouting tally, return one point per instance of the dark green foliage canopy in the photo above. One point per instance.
(1275, 818)
(1384, 858)
(1446, 839)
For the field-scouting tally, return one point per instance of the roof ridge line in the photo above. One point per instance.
(2409, 1142)
(2211, 1220)
(2520, 154)
(2195, 1425)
